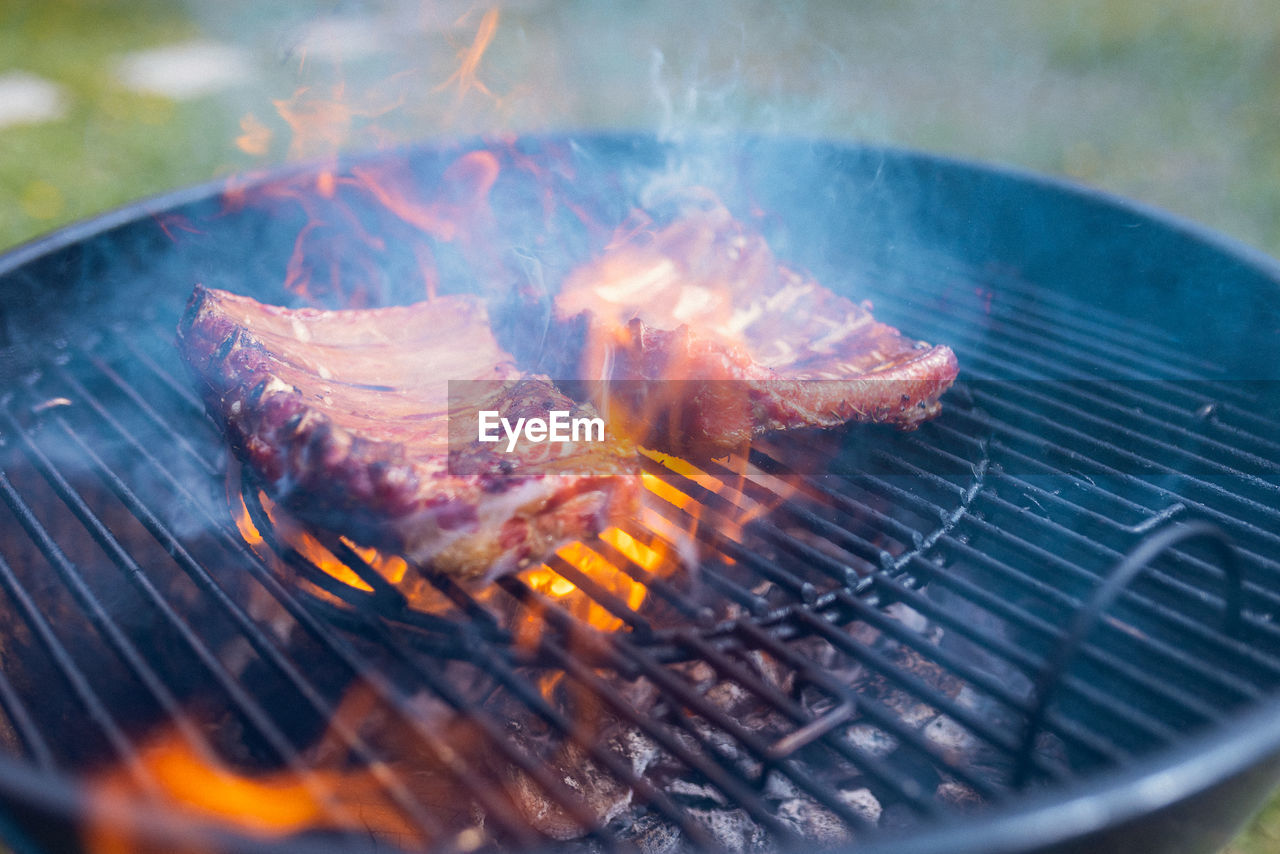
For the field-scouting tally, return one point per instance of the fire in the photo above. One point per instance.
(341, 253)
(256, 137)
(195, 786)
(469, 59)
(605, 575)
(271, 805)
(391, 185)
(391, 567)
(543, 579)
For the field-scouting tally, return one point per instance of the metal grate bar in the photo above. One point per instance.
(932, 697)
(128, 651)
(1258, 562)
(1145, 605)
(1068, 730)
(1153, 610)
(902, 786)
(1102, 700)
(926, 693)
(1030, 665)
(602, 597)
(361, 750)
(488, 625)
(905, 788)
(1187, 592)
(646, 791)
(654, 583)
(148, 410)
(497, 811)
(728, 780)
(1149, 463)
(537, 771)
(66, 665)
(798, 587)
(24, 725)
(675, 687)
(876, 713)
(397, 701)
(384, 597)
(1054, 311)
(1048, 497)
(526, 692)
(871, 709)
(723, 585)
(1237, 523)
(979, 597)
(894, 591)
(181, 390)
(627, 659)
(1096, 333)
(854, 607)
(1028, 347)
(243, 703)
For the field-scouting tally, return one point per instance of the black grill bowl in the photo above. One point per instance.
(1117, 417)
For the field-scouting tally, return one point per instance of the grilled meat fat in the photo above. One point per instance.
(344, 418)
(704, 340)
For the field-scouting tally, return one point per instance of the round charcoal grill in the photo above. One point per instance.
(1043, 621)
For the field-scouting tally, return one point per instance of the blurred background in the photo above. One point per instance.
(1172, 102)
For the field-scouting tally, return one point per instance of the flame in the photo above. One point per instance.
(391, 184)
(194, 786)
(256, 137)
(391, 567)
(469, 58)
(323, 120)
(686, 272)
(608, 577)
(271, 805)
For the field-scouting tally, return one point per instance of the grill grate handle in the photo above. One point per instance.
(1049, 680)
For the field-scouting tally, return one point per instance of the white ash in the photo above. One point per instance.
(863, 802)
(955, 741)
(704, 794)
(909, 617)
(958, 795)
(733, 830)
(638, 748)
(813, 821)
(871, 739)
(652, 835)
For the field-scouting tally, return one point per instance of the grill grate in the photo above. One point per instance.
(879, 630)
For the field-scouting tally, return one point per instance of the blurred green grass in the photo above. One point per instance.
(1174, 102)
(111, 145)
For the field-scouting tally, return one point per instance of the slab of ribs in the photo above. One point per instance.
(691, 339)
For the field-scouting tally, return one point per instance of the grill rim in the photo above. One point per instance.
(1242, 745)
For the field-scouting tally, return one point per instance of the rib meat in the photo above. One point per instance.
(344, 416)
(705, 340)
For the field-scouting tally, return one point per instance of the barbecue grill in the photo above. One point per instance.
(1041, 622)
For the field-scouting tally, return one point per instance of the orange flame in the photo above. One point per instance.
(323, 122)
(469, 58)
(199, 790)
(256, 138)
